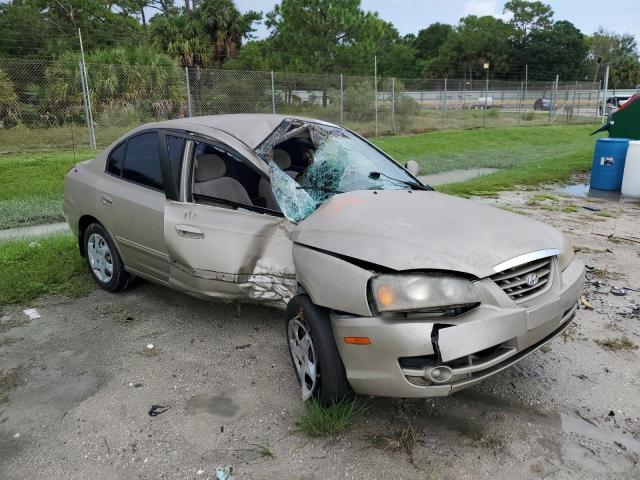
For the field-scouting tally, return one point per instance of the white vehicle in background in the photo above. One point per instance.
(483, 102)
(613, 104)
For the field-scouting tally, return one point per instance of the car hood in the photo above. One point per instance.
(410, 230)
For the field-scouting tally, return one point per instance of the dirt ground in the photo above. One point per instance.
(76, 386)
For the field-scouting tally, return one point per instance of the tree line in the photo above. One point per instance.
(318, 36)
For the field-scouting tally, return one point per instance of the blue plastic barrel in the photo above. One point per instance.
(608, 163)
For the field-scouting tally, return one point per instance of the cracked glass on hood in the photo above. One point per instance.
(342, 162)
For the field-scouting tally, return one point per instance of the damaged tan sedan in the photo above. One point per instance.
(390, 288)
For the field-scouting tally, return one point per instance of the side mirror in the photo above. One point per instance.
(413, 167)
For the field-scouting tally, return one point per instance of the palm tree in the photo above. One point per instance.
(225, 26)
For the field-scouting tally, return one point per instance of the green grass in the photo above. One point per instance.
(50, 265)
(319, 421)
(550, 170)
(31, 186)
(503, 148)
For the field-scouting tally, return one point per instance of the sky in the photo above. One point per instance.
(409, 16)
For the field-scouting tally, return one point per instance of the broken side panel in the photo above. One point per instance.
(229, 254)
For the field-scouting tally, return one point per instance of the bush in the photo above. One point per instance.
(119, 78)
(358, 101)
(406, 110)
(9, 111)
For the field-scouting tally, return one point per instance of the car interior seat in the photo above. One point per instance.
(210, 180)
(283, 160)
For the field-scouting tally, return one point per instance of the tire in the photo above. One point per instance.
(104, 261)
(304, 319)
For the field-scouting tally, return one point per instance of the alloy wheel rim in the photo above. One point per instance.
(304, 356)
(100, 258)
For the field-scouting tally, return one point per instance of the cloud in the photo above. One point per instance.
(481, 8)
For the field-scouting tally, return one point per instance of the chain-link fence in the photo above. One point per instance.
(51, 105)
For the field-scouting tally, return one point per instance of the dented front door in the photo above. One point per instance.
(226, 253)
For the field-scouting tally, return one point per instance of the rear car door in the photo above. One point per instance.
(132, 205)
(221, 242)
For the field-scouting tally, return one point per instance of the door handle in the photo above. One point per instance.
(189, 231)
(106, 200)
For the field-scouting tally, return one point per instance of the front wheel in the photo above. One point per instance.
(314, 354)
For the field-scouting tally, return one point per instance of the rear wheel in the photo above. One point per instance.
(315, 357)
(103, 260)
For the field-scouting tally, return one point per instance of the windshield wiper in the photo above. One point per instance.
(320, 189)
(376, 176)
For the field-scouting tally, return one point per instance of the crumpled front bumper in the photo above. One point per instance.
(475, 345)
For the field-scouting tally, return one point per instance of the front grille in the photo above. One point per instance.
(514, 280)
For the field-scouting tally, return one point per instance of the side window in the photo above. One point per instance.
(116, 159)
(175, 149)
(142, 161)
(219, 175)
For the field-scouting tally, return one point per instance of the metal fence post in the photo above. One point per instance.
(444, 106)
(393, 104)
(341, 100)
(375, 89)
(604, 98)
(551, 101)
(573, 103)
(186, 76)
(486, 99)
(273, 93)
(84, 103)
(520, 94)
(87, 100)
(85, 79)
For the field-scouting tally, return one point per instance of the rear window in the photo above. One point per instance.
(116, 159)
(142, 161)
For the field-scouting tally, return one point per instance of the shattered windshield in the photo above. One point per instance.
(333, 161)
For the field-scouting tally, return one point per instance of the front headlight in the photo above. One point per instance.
(415, 292)
(565, 258)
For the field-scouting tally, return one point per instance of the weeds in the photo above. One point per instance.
(606, 214)
(321, 421)
(512, 210)
(613, 326)
(541, 197)
(617, 344)
(118, 313)
(569, 209)
(264, 451)
(400, 441)
(570, 333)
